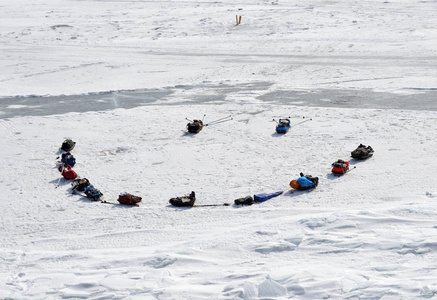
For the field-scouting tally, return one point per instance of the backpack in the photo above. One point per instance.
(68, 159)
(195, 127)
(80, 184)
(92, 193)
(67, 171)
(294, 184)
(183, 201)
(68, 145)
(307, 182)
(179, 201)
(128, 199)
(313, 179)
(248, 200)
(362, 152)
(340, 167)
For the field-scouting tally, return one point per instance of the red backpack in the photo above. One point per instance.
(129, 199)
(340, 167)
(67, 172)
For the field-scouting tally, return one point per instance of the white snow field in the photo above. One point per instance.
(120, 77)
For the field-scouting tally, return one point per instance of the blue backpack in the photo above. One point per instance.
(68, 159)
(92, 193)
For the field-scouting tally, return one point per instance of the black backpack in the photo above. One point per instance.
(183, 201)
(68, 145)
(315, 180)
(339, 164)
(80, 184)
(248, 200)
(362, 152)
(195, 126)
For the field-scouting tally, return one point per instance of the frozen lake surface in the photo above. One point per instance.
(217, 94)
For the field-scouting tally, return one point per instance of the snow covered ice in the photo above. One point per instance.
(120, 77)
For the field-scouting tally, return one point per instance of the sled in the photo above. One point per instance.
(129, 199)
(79, 184)
(340, 167)
(68, 145)
(67, 171)
(294, 184)
(92, 193)
(362, 152)
(266, 196)
(363, 157)
(68, 159)
(195, 126)
(283, 126)
(248, 200)
(184, 201)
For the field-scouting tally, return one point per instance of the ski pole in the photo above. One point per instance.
(59, 180)
(279, 119)
(289, 117)
(302, 122)
(221, 120)
(193, 121)
(209, 124)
